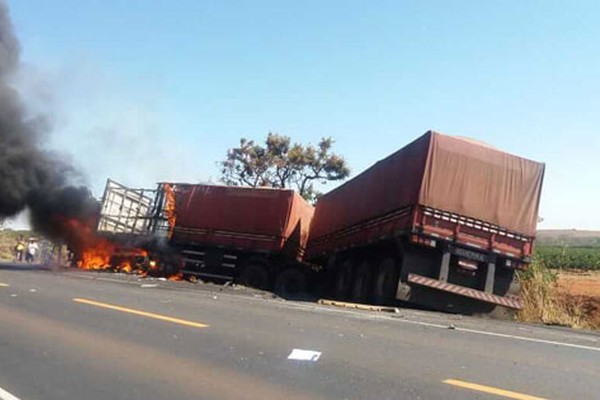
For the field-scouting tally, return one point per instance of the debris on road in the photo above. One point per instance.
(357, 306)
(304, 355)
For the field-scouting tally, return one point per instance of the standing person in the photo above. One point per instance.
(19, 249)
(32, 249)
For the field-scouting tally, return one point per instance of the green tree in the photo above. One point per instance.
(279, 163)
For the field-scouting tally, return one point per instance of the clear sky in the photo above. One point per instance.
(144, 90)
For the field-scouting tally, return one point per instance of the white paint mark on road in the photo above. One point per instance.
(149, 285)
(304, 355)
(4, 284)
(4, 395)
(32, 290)
(528, 339)
(13, 295)
(506, 336)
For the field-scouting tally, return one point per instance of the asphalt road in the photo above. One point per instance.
(78, 335)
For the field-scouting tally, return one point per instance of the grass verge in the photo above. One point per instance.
(544, 302)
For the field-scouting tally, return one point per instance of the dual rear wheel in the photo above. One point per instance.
(366, 281)
(289, 282)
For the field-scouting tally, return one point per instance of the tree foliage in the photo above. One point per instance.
(279, 163)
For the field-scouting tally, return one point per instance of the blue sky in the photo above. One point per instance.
(148, 90)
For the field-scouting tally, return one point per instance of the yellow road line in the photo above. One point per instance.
(142, 313)
(491, 390)
(4, 284)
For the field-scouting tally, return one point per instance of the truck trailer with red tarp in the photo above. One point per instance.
(256, 236)
(441, 222)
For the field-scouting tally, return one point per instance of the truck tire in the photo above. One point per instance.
(342, 280)
(386, 282)
(290, 283)
(362, 283)
(255, 275)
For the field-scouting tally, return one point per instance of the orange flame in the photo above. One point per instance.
(97, 256)
(177, 277)
(95, 252)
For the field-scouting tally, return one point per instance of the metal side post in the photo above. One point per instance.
(445, 266)
(489, 277)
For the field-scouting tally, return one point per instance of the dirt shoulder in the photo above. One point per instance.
(580, 283)
(580, 292)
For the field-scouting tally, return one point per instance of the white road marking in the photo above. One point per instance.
(4, 395)
(527, 339)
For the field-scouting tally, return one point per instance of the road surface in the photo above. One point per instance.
(80, 335)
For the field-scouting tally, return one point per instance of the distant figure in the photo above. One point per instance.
(19, 249)
(32, 249)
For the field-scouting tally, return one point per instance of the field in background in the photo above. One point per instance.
(570, 258)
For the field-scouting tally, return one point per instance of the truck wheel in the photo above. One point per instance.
(386, 282)
(362, 283)
(256, 276)
(342, 281)
(290, 282)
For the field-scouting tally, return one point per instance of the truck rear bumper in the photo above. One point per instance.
(506, 301)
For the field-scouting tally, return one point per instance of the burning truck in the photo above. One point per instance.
(255, 236)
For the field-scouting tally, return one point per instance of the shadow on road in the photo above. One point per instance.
(12, 266)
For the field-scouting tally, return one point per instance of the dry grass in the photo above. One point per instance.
(544, 302)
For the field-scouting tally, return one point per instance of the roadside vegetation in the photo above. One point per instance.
(546, 301)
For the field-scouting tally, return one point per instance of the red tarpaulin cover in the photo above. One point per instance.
(251, 218)
(448, 173)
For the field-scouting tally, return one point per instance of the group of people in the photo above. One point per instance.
(26, 251)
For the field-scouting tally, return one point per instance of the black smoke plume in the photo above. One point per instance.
(30, 176)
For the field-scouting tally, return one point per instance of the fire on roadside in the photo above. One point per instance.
(92, 251)
(96, 257)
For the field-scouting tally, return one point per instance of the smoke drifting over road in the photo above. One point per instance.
(30, 176)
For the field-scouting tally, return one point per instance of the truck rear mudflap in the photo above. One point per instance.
(506, 301)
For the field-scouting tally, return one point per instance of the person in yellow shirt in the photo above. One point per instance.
(19, 249)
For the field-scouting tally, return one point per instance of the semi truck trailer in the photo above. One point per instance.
(444, 222)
